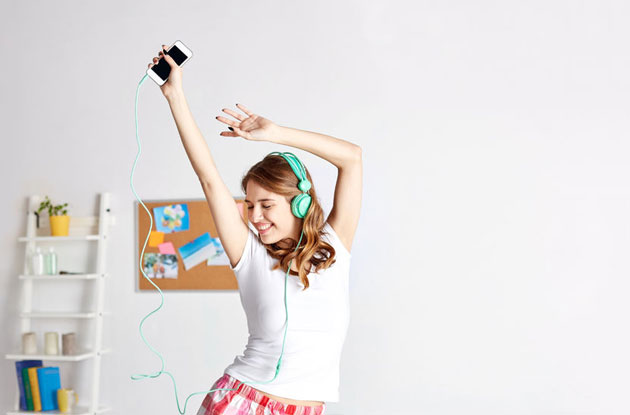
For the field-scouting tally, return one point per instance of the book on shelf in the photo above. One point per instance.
(38, 385)
(23, 384)
(49, 383)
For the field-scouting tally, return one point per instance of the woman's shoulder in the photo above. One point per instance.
(334, 240)
(254, 251)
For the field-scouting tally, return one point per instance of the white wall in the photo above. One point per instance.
(490, 271)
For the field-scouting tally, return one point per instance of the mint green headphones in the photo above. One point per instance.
(302, 202)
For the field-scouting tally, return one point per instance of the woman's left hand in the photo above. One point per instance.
(253, 127)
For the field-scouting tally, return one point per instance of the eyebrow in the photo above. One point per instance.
(262, 200)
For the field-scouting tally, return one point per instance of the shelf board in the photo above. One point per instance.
(77, 410)
(61, 238)
(82, 355)
(61, 314)
(63, 277)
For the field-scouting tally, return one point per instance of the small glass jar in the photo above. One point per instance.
(37, 262)
(51, 262)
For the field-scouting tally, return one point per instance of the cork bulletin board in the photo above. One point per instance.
(183, 251)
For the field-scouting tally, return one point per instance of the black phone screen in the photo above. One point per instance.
(162, 69)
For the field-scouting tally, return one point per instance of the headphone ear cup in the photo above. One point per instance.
(300, 205)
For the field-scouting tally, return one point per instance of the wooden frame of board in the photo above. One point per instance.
(199, 277)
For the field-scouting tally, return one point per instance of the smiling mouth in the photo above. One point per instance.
(264, 230)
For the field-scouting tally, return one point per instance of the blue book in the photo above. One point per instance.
(19, 365)
(49, 382)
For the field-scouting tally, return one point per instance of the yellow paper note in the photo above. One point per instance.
(156, 238)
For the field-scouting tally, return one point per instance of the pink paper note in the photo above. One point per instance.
(166, 248)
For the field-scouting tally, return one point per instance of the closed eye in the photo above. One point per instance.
(266, 207)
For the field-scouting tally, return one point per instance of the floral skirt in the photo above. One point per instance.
(248, 401)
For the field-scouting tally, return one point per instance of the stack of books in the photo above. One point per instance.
(38, 385)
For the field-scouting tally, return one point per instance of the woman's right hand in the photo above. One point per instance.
(173, 84)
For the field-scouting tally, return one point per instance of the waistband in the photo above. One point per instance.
(252, 394)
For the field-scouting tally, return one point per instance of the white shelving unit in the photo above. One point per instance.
(101, 223)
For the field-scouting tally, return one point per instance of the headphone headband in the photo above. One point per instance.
(300, 203)
(298, 168)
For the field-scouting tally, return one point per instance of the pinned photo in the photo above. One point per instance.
(160, 265)
(219, 257)
(172, 218)
(197, 251)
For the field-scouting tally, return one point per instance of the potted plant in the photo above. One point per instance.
(59, 220)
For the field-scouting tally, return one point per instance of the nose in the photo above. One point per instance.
(255, 214)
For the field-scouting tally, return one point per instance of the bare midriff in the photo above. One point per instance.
(291, 401)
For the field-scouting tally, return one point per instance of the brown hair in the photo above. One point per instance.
(274, 174)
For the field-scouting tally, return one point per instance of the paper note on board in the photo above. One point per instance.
(156, 238)
(166, 248)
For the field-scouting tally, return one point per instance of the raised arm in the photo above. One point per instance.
(346, 156)
(230, 226)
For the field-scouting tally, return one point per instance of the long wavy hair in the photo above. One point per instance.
(274, 174)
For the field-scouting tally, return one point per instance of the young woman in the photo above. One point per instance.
(317, 297)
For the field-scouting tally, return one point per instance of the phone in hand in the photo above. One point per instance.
(160, 71)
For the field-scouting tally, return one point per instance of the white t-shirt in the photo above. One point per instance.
(317, 325)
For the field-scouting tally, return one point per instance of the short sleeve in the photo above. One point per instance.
(251, 246)
(335, 241)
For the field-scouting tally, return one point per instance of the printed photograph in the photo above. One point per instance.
(160, 265)
(171, 218)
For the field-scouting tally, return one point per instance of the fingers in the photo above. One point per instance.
(160, 56)
(168, 58)
(170, 61)
(241, 128)
(155, 60)
(245, 110)
(236, 132)
(234, 114)
(245, 122)
(228, 121)
(242, 134)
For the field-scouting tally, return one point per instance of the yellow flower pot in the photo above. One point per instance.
(59, 225)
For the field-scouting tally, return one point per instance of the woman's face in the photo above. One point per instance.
(271, 214)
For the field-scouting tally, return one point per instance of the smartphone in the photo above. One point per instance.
(160, 71)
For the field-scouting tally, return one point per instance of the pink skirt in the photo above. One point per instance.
(248, 401)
